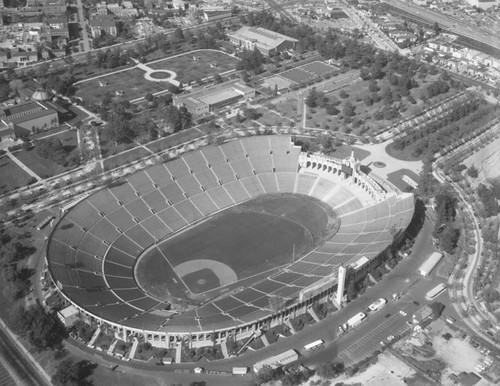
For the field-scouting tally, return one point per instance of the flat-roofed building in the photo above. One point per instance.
(266, 41)
(29, 118)
(211, 98)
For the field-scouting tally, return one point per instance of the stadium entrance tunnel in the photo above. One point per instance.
(257, 237)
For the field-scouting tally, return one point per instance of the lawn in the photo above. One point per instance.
(253, 237)
(125, 158)
(13, 176)
(131, 81)
(396, 178)
(109, 148)
(363, 122)
(47, 168)
(188, 70)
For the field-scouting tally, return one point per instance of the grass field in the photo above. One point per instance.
(131, 81)
(396, 178)
(44, 167)
(12, 176)
(188, 70)
(251, 238)
(364, 115)
(134, 85)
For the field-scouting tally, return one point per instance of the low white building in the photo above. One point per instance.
(68, 316)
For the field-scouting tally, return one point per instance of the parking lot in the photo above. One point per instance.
(367, 339)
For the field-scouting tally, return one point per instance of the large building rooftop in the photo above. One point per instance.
(262, 36)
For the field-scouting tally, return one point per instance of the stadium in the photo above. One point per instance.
(199, 248)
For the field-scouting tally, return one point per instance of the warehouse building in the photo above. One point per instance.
(211, 98)
(266, 41)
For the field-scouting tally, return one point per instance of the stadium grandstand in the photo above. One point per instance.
(93, 250)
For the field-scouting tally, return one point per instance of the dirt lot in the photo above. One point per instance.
(388, 371)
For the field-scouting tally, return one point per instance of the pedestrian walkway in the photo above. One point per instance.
(133, 350)
(94, 337)
(263, 337)
(23, 166)
(290, 326)
(112, 347)
(223, 347)
(313, 314)
(178, 353)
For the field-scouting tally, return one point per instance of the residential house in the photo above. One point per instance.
(103, 24)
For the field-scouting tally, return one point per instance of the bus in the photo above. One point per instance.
(435, 292)
(240, 370)
(314, 345)
(356, 319)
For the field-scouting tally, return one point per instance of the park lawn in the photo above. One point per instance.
(319, 118)
(272, 119)
(396, 178)
(404, 155)
(13, 176)
(188, 70)
(46, 168)
(109, 148)
(175, 139)
(125, 158)
(131, 81)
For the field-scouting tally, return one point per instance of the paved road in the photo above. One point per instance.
(85, 36)
(17, 361)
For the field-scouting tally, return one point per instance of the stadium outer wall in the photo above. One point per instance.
(321, 291)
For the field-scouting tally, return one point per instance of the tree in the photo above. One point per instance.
(268, 374)
(178, 35)
(437, 309)
(332, 110)
(348, 109)
(373, 87)
(69, 373)
(250, 113)
(311, 98)
(436, 28)
(330, 370)
(41, 329)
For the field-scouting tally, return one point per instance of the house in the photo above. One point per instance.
(210, 16)
(68, 316)
(266, 41)
(23, 58)
(103, 25)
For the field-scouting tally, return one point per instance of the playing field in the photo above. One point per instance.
(131, 82)
(207, 63)
(256, 236)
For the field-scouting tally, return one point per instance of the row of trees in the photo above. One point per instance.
(444, 131)
(445, 229)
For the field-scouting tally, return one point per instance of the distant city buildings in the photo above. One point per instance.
(484, 4)
(266, 41)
